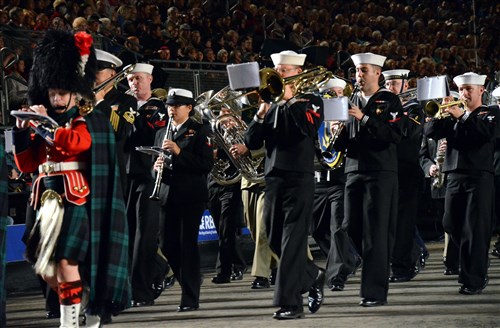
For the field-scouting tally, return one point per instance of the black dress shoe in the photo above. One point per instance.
(260, 283)
(496, 252)
(465, 290)
(186, 308)
(371, 302)
(450, 272)
(337, 287)
(237, 275)
(423, 258)
(272, 277)
(157, 290)
(106, 318)
(142, 303)
(52, 315)
(400, 278)
(289, 312)
(405, 275)
(315, 298)
(169, 282)
(219, 279)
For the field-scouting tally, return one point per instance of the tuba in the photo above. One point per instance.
(228, 130)
(327, 133)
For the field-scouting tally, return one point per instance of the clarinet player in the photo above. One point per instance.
(183, 193)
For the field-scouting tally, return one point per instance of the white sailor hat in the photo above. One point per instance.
(469, 78)
(107, 60)
(288, 57)
(396, 74)
(334, 82)
(368, 58)
(142, 68)
(496, 93)
(179, 97)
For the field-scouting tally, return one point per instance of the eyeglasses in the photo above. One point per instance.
(285, 70)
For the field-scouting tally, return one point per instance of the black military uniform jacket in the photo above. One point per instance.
(371, 142)
(125, 106)
(187, 181)
(297, 123)
(470, 140)
(496, 154)
(150, 117)
(411, 141)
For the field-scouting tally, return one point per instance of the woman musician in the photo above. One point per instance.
(184, 193)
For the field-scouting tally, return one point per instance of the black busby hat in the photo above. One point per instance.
(62, 60)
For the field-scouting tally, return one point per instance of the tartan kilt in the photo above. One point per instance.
(74, 238)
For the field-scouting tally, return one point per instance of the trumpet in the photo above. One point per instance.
(435, 110)
(168, 136)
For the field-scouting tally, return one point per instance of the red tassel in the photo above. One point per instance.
(83, 42)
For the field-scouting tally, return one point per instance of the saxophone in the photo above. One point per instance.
(438, 179)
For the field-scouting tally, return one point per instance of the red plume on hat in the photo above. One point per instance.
(62, 61)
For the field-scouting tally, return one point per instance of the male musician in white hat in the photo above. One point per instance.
(370, 137)
(183, 192)
(288, 130)
(470, 136)
(142, 212)
(119, 106)
(494, 104)
(406, 254)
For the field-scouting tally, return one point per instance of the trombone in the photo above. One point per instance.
(435, 110)
(115, 78)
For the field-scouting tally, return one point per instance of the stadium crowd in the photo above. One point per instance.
(427, 37)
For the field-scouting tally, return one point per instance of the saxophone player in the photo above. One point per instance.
(186, 193)
(406, 253)
(468, 214)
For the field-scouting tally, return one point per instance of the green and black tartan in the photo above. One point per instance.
(109, 278)
(3, 230)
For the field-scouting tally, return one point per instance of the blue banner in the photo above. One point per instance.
(15, 246)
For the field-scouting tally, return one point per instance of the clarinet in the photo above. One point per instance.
(168, 136)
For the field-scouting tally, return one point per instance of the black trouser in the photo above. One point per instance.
(147, 266)
(370, 218)
(179, 242)
(468, 218)
(287, 213)
(327, 231)
(226, 208)
(406, 252)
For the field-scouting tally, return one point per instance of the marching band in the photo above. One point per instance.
(353, 184)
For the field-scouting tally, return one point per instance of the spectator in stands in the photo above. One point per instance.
(80, 24)
(41, 22)
(16, 17)
(4, 17)
(223, 56)
(17, 86)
